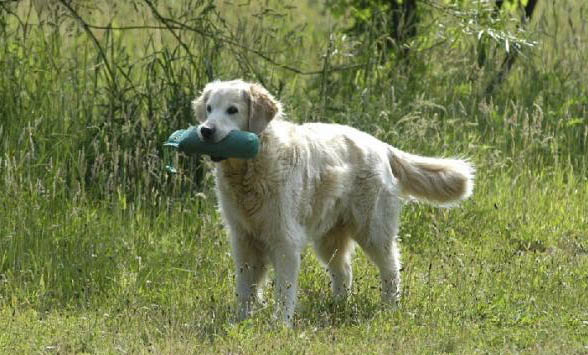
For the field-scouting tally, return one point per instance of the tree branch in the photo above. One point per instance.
(172, 24)
(511, 56)
(89, 32)
(170, 29)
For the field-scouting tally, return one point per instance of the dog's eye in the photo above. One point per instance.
(208, 108)
(232, 110)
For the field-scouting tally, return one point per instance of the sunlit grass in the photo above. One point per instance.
(102, 251)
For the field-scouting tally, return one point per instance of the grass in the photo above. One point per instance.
(102, 252)
(503, 273)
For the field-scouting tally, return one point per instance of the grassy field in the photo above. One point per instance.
(101, 251)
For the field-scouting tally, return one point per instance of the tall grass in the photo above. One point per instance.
(93, 228)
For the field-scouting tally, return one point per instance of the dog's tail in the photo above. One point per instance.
(439, 181)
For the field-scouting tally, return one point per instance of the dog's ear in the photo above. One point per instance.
(262, 108)
(199, 105)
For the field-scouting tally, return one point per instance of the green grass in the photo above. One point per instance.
(102, 252)
(504, 273)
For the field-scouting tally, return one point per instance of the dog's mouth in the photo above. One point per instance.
(217, 159)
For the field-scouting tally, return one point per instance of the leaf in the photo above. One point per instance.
(575, 122)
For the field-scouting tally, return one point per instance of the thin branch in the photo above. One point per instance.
(4, 7)
(179, 25)
(170, 29)
(89, 32)
(264, 56)
(511, 56)
(172, 26)
(183, 26)
(125, 28)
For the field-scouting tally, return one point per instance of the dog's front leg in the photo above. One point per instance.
(286, 261)
(251, 267)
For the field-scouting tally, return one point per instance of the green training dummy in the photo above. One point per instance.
(237, 144)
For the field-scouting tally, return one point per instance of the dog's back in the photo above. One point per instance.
(330, 172)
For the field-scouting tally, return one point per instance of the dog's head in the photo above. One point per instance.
(225, 106)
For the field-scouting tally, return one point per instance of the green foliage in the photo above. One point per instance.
(102, 251)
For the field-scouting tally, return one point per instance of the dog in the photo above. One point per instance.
(328, 184)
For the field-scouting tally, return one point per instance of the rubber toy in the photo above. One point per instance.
(237, 144)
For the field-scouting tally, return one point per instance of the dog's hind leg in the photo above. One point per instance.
(379, 241)
(386, 256)
(335, 250)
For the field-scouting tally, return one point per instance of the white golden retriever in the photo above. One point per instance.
(327, 184)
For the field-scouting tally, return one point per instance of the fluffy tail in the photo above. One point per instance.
(436, 180)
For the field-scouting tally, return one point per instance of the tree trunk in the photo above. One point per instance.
(403, 23)
(511, 56)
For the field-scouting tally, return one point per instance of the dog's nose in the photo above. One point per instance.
(207, 132)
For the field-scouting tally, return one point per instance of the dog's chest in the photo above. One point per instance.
(248, 189)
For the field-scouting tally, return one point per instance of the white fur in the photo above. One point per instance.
(327, 184)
